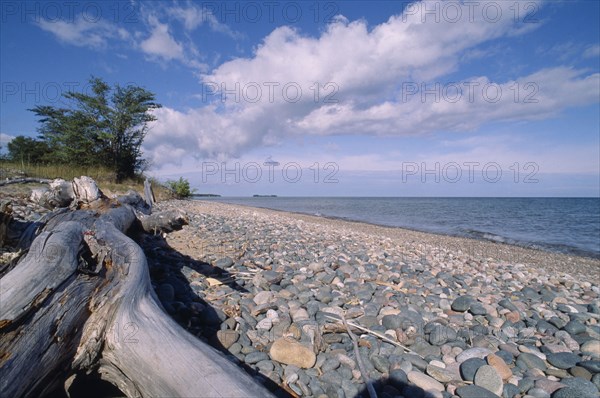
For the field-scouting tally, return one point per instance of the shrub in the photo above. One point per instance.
(180, 188)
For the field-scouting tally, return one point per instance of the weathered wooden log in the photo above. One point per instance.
(81, 301)
(86, 190)
(24, 181)
(5, 218)
(166, 221)
(149, 193)
(133, 199)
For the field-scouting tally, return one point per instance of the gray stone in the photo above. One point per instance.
(262, 297)
(558, 322)
(530, 361)
(510, 390)
(591, 347)
(272, 277)
(440, 374)
(369, 321)
(538, 393)
(574, 327)
(526, 384)
(506, 356)
(224, 262)
(596, 380)
(350, 389)
(592, 366)
(425, 349)
(487, 377)
(381, 363)
(477, 309)
(585, 388)
(578, 371)
(441, 335)
(398, 379)
(256, 356)
(570, 392)
(474, 391)
(330, 364)
(462, 303)
(391, 322)
(530, 293)
(469, 368)
(265, 366)
(227, 337)
(563, 360)
(331, 377)
(475, 352)
(427, 383)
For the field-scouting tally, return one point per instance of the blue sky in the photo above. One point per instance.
(349, 98)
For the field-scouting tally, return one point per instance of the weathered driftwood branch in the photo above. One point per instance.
(24, 181)
(149, 193)
(81, 301)
(5, 219)
(167, 221)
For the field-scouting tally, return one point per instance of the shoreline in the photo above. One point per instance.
(434, 315)
(574, 264)
(571, 251)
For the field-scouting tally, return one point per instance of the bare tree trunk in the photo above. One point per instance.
(81, 301)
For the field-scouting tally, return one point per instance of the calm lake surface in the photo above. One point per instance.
(565, 225)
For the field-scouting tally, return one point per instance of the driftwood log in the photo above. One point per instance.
(80, 302)
(23, 180)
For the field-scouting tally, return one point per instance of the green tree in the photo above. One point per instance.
(106, 127)
(27, 149)
(181, 188)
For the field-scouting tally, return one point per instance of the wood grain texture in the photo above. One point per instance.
(81, 301)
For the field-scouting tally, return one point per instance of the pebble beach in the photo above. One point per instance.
(318, 307)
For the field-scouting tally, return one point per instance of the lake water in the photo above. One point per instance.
(565, 225)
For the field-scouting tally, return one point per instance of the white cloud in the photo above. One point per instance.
(537, 96)
(160, 43)
(6, 138)
(193, 16)
(367, 67)
(84, 33)
(592, 51)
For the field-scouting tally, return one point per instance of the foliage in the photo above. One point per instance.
(26, 149)
(181, 188)
(103, 128)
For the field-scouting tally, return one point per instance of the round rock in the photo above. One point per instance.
(487, 377)
(469, 368)
(531, 361)
(592, 366)
(462, 303)
(291, 352)
(474, 391)
(563, 360)
(425, 382)
(592, 348)
(583, 388)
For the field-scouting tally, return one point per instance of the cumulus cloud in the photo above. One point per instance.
(160, 43)
(367, 77)
(83, 32)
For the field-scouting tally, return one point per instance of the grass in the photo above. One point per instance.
(104, 177)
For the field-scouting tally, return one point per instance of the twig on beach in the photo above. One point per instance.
(398, 287)
(359, 361)
(376, 334)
